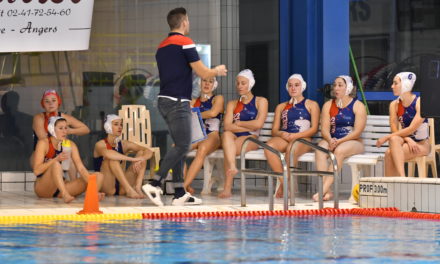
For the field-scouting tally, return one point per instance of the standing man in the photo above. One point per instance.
(176, 58)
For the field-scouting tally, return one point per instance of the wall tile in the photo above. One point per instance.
(406, 194)
(370, 202)
(404, 197)
(418, 196)
(383, 202)
(376, 201)
(391, 200)
(29, 186)
(30, 176)
(431, 197)
(13, 176)
(425, 197)
(411, 198)
(363, 201)
(437, 198)
(13, 187)
(397, 198)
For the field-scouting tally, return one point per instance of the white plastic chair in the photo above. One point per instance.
(136, 127)
(424, 162)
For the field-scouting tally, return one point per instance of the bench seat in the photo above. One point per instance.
(376, 127)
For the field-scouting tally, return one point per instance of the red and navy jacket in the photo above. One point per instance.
(173, 57)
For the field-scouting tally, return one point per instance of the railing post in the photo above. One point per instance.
(320, 191)
(242, 167)
(293, 181)
(270, 193)
(335, 181)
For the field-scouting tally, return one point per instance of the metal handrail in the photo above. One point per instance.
(243, 179)
(320, 183)
(286, 173)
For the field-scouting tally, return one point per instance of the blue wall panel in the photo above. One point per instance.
(314, 41)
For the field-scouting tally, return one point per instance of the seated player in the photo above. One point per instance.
(108, 156)
(47, 165)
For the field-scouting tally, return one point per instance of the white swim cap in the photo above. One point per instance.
(51, 125)
(407, 80)
(298, 77)
(248, 75)
(108, 123)
(213, 87)
(348, 82)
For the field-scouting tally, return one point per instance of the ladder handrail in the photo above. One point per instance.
(335, 171)
(243, 179)
(286, 173)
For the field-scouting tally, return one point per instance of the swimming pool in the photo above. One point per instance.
(308, 239)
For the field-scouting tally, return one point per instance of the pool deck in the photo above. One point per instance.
(21, 203)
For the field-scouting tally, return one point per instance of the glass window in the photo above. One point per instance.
(119, 68)
(390, 36)
(259, 46)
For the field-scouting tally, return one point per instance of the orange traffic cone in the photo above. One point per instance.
(91, 201)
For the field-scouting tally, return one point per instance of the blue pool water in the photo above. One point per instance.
(344, 239)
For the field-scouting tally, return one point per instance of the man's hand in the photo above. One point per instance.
(221, 70)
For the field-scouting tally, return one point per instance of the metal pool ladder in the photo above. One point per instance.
(292, 172)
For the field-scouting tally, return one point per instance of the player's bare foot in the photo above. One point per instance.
(224, 194)
(133, 194)
(67, 198)
(101, 195)
(141, 193)
(190, 190)
(328, 196)
(279, 192)
(230, 173)
(315, 197)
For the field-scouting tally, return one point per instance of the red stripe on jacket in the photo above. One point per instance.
(176, 40)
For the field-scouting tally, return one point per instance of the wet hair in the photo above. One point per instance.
(175, 17)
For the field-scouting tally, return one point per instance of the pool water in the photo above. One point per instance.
(344, 239)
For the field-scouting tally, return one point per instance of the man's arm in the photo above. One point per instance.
(204, 72)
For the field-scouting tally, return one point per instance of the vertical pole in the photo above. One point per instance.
(314, 41)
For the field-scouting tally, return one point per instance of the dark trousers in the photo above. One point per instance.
(177, 115)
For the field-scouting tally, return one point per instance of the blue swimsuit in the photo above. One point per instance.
(341, 120)
(211, 124)
(406, 116)
(295, 118)
(246, 112)
(97, 162)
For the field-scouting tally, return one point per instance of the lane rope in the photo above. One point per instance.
(374, 212)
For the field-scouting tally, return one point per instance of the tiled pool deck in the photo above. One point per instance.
(17, 203)
(18, 199)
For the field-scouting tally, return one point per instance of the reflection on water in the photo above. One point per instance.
(221, 240)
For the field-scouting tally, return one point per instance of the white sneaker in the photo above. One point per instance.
(186, 199)
(153, 193)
